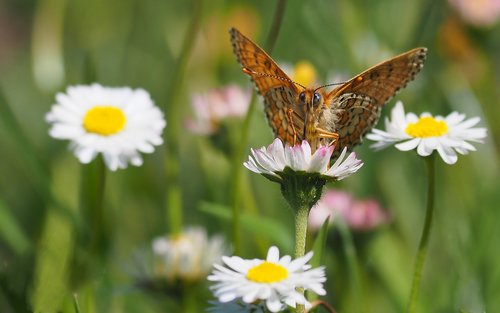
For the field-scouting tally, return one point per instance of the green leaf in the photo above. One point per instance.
(53, 257)
(319, 247)
(56, 245)
(258, 225)
(10, 231)
(319, 244)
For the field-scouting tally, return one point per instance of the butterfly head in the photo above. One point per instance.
(310, 98)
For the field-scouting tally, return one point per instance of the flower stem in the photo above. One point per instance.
(302, 191)
(92, 186)
(301, 215)
(424, 239)
(173, 204)
(301, 230)
(189, 300)
(240, 149)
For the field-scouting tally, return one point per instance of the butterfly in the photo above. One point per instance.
(340, 117)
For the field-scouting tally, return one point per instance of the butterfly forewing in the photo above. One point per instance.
(278, 90)
(252, 57)
(356, 105)
(383, 80)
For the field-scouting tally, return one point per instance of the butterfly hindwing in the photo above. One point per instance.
(287, 125)
(354, 116)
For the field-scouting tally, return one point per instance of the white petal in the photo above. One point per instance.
(274, 304)
(320, 160)
(447, 154)
(455, 118)
(408, 145)
(273, 255)
(425, 147)
(296, 158)
(277, 150)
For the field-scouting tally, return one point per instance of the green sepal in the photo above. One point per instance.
(302, 189)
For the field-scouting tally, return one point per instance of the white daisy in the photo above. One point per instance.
(188, 256)
(448, 135)
(117, 122)
(273, 160)
(272, 281)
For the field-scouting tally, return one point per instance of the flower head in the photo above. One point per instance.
(188, 256)
(277, 159)
(447, 135)
(272, 280)
(213, 107)
(359, 215)
(117, 122)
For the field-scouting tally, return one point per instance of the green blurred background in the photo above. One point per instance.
(47, 45)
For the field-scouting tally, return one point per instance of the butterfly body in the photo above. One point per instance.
(342, 116)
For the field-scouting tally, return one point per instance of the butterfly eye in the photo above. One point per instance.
(302, 97)
(316, 98)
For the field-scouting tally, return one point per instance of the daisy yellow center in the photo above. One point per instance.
(267, 272)
(104, 120)
(304, 73)
(427, 127)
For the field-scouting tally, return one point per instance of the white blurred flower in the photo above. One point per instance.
(212, 107)
(447, 135)
(188, 256)
(357, 214)
(274, 160)
(117, 122)
(272, 281)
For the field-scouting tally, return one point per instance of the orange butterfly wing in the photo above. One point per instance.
(356, 105)
(278, 90)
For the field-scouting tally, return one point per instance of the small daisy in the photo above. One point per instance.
(188, 256)
(274, 161)
(273, 281)
(117, 122)
(448, 135)
(212, 107)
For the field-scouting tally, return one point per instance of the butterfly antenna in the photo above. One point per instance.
(252, 72)
(328, 85)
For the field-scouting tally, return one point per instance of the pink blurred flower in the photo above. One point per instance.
(359, 215)
(478, 12)
(211, 107)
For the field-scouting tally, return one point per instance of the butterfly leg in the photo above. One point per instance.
(289, 114)
(328, 135)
